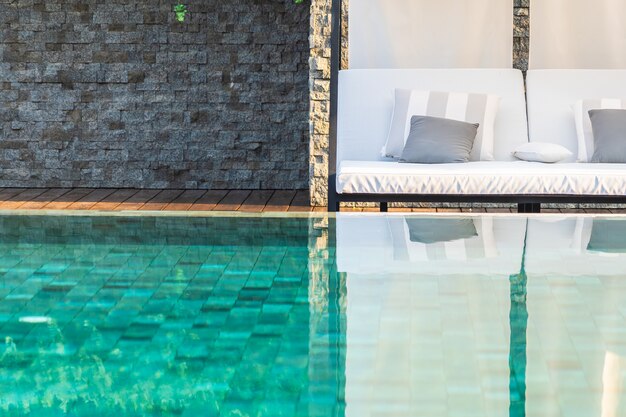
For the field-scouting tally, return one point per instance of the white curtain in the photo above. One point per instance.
(431, 33)
(586, 34)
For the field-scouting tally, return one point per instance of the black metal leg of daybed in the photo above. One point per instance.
(384, 207)
(529, 207)
(333, 197)
(333, 203)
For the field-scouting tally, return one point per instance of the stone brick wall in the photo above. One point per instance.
(521, 31)
(117, 94)
(320, 76)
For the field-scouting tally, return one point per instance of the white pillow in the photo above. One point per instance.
(541, 152)
(464, 107)
(584, 130)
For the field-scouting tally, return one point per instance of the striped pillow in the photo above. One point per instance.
(465, 107)
(586, 146)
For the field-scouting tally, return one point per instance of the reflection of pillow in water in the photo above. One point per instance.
(440, 230)
(608, 236)
(475, 242)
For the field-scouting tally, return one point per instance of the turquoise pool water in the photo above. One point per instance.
(363, 315)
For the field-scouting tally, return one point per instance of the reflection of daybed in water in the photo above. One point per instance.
(448, 299)
(556, 246)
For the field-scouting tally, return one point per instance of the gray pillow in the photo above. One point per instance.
(609, 136)
(435, 140)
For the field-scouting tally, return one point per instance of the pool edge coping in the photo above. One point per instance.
(305, 215)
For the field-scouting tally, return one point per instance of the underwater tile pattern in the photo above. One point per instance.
(108, 315)
(252, 316)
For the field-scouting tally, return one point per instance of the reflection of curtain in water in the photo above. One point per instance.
(518, 318)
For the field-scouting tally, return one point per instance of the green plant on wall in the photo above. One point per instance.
(181, 10)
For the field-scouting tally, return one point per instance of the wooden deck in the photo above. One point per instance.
(111, 199)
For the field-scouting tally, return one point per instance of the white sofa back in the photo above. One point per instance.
(551, 94)
(366, 99)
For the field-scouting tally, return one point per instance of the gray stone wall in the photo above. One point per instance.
(521, 32)
(320, 82)
(117, 94)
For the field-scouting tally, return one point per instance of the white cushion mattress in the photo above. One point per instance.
(481, 178)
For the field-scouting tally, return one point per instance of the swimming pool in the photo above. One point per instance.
(359, 315)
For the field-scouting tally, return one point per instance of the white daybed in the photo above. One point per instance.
(365, 105)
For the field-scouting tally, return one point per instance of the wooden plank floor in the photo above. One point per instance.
(108, 199)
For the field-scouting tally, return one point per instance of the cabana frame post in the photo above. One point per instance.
(335, 66)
